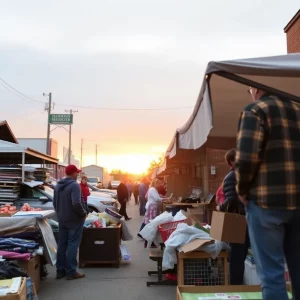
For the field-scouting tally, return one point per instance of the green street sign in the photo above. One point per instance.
(61, 119)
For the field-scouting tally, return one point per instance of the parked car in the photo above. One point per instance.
(105, 191)
(37, 194)
(95, 181)
(115, 184)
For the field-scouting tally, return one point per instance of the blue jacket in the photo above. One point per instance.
(68, 202)
(232, 202)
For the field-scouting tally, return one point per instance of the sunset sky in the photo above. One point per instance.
(110, 59)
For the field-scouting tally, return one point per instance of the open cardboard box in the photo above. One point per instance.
(195, 245)
(32, 269)
(21, 294)
(210, 292)
(228, 227)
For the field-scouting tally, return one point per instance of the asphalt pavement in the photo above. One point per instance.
(126, 283)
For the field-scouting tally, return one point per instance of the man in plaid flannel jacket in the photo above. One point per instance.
(268, 182)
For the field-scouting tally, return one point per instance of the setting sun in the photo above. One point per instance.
(131, 163)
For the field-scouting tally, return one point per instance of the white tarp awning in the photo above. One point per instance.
(223, 96)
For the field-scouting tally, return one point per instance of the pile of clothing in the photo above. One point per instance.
(17, 248)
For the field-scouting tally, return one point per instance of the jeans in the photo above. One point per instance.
(238, 256)
(143, 202)
(123, 211)
(69, 241)
(275, 235)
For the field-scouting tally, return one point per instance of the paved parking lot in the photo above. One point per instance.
(126, 283)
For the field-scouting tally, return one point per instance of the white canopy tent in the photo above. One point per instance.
(224, 94)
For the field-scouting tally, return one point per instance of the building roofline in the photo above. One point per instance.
(4, 123)
(292, 21)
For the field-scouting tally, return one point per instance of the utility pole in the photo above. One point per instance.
(48, 123)
(81, 150)
(71, 111)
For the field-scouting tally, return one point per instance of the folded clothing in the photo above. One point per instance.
(15, 242)
(15, 255)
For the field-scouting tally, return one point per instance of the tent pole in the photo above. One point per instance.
(23, 167)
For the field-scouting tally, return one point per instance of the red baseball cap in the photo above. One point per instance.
(70, 169)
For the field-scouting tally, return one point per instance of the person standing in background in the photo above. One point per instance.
(129, 188)
(232, 204)
(71, 214)
(136, 193)
(85, 191)
(123, 195)
(143, 188)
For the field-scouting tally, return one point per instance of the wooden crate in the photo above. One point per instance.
(199, 268)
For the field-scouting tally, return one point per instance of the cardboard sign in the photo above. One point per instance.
(228, 227)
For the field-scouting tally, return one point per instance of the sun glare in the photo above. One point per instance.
(131, 163)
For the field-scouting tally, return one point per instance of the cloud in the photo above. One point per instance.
(127, 44)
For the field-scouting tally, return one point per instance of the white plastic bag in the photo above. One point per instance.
(90, 220)
(150, 230)
(182, 236)
(179, 216)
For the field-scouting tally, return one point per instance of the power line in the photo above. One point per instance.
(21, 97)
(26, 98)
(19, 93)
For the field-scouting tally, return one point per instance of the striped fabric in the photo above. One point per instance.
(268, 153)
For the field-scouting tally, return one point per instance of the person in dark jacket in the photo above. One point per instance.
(123, 195)
(136, 193)
(68, 204)
(232, 204)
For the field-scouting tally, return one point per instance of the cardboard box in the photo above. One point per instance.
(202, 290)
(228, 227)
(195, 245)
(215, 290)
(20, 295)
(32, 269)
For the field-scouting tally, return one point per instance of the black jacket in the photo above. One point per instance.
(122, 192)
(232, 202)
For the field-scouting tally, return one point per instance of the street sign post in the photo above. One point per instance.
(61, 119)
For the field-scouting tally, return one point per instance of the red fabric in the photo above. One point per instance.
(220, 195)
(85, 191)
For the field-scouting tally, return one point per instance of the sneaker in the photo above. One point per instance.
(75, 276)
(60, 275)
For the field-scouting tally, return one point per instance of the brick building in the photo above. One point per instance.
(292, 30)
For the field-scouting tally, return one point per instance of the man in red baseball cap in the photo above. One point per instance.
(71, 214)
